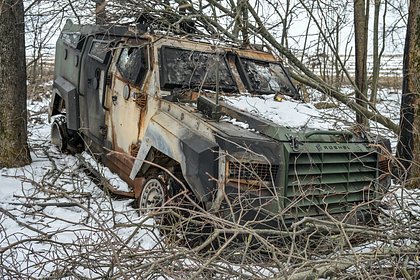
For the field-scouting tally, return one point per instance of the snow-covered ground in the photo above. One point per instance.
(51, 209)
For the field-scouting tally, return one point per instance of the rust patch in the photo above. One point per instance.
(141, 100)
(138, 186)
(190, 95)
(117, 77)
(104, 182)
(121, 164)
(256, 55)
(125, 160)
(134, 150)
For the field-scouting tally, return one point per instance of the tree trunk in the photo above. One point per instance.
(14, 149)
(245, 35)
(100, 11)
(285, 26)
(408, 148)
(361, 19)
(376, 55)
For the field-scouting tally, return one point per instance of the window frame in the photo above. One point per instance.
(70, 43)
(251, 87)
(144, 67)
(107, 54)
(163, 77)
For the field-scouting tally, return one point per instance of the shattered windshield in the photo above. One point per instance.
(266, 77)
(181, 68)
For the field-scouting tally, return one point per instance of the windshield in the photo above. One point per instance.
(192, 69)
(267, 77)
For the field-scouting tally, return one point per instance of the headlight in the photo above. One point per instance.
(252, 175)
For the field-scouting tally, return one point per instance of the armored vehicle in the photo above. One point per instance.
(155, 109)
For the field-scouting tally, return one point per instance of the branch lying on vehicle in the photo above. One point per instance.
(314, 81)
(318, 83)
(328, 90)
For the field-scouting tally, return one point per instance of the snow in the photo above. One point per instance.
(285, 113)
(112, 178)
(234, 122)
(298, 115)
(55, 209)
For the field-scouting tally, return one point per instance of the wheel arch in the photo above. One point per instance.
(65, 96)
(196, 155)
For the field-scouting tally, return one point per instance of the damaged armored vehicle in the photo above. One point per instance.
(164, 112)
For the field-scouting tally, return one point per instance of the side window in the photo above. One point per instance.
(100, 50)
(132, 64)
(71, 38)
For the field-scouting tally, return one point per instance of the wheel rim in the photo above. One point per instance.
(152, 196)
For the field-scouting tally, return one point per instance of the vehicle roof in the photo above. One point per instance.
(135, 32)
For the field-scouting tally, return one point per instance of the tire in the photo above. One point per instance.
(59, 135)
(66, 140)
(176, 222)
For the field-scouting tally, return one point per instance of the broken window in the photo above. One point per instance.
(181, 68)
(100, 50)
(132, 64)
(265, 77)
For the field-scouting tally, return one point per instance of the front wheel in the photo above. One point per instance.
(152, 196)
(180, 220)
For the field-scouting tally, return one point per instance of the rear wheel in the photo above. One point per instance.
(59, 135)
(65, 139)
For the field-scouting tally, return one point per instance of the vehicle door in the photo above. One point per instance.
(93, 83)
(127, 99)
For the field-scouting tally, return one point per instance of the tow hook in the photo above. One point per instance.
(294, 142)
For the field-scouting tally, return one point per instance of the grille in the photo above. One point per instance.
(247, 171)
(332, 182)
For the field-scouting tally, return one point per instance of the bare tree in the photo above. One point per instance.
(376, 54)
(286, 21)
(243, 22)
(14, 149)
(361, 20)
(100, 11)
(408, 148)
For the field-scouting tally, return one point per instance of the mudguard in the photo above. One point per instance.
(68, 92)
(196, 154)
